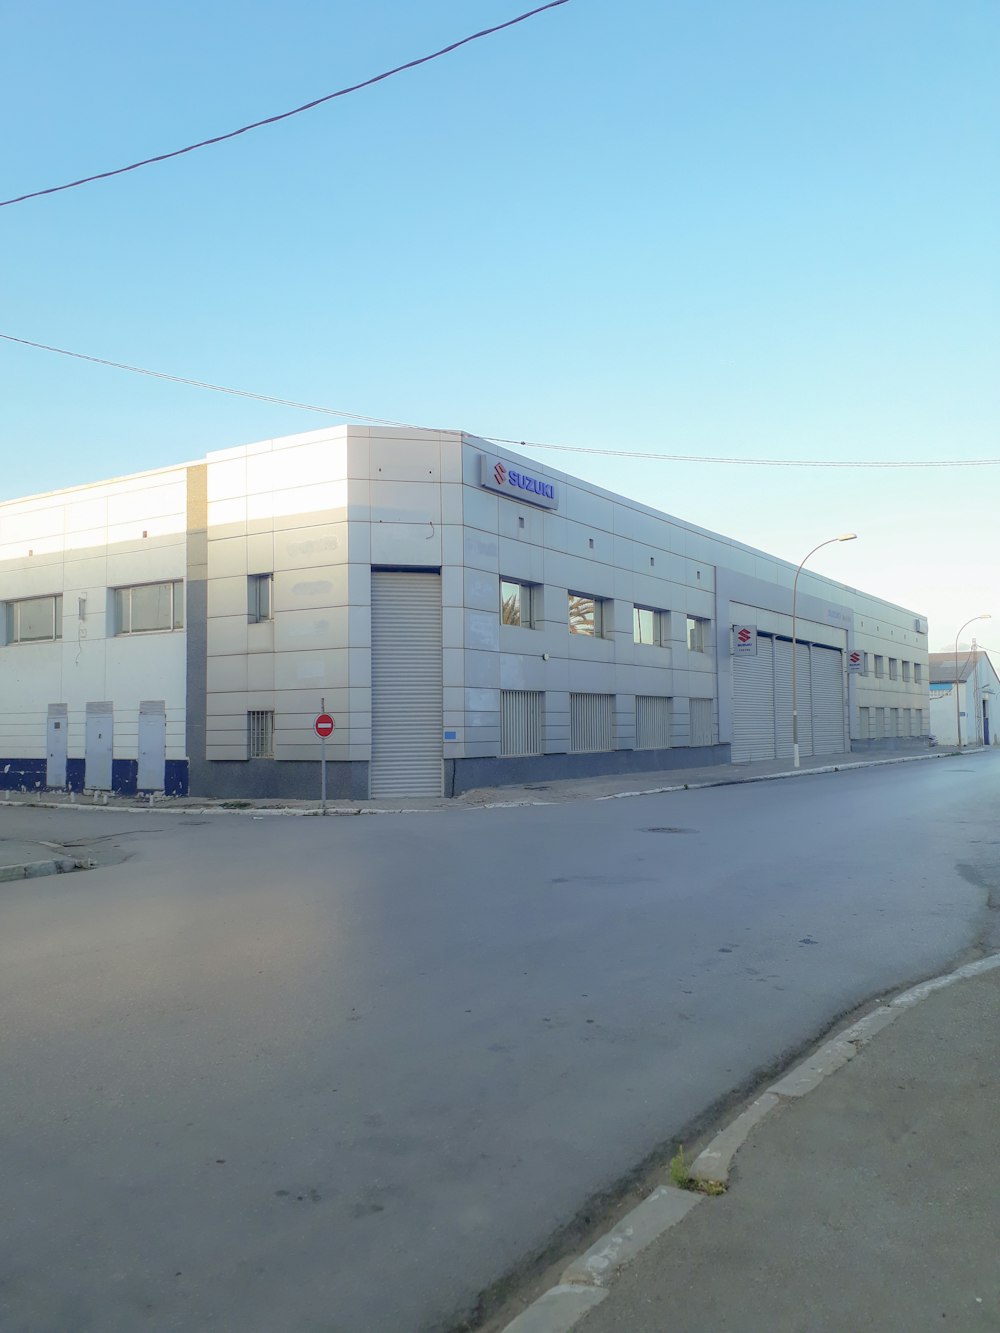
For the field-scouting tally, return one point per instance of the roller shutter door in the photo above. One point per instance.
(783, 697)
(407, 696)
(753, 704)
(828, 700)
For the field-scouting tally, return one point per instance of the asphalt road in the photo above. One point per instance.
(340, 1075)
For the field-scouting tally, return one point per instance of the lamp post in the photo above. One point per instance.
(958, 702)
(844, 537)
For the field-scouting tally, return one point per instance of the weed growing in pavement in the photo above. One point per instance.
(680, 1176)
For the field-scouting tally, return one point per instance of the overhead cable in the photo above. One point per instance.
(284, 115)
(501, 439)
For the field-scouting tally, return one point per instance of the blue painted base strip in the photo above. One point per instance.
(29, 775)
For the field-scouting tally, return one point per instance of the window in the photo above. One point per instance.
(918, 721)
(515, 603)
(864, 716)
(260, 734)
(866, 664)
(591, 722)
(652, 722)
(697, 634)
(879, 665)
(893, 669)
(520, 722)
(149, 606)
(585, 615)
(906, 670)
(259, 602)
(918, 673)
(34, 619)
(649, 626)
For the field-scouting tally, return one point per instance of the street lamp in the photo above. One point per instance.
(844, 537)
(958, 704)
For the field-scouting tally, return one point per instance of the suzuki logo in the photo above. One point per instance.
(500, 472)
(744, 636)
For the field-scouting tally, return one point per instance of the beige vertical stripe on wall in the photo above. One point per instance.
(407, 695)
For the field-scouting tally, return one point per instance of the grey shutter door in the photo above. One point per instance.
(152, 744)
(828, 701)
(753, 704)
(700, 720)
(56, 748)
(783, 697)
(407, 696)
(98, 746)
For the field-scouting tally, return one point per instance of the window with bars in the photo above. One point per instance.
(260, 734)
(147, 607)
(520, 722)
(652, 722)
(259, 597)
(591, 722)
(34, 619)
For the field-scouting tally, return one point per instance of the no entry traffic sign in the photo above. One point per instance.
(324, 725)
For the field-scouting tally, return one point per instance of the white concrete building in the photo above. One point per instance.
(468, 617)
(978, 697)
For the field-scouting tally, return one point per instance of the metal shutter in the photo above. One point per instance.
(827, 701)
(783, 697)
(701, 721)
(591, 725)
(407, 696)
(520, 722)
(753, 704)
(864, 719)
(652, 722)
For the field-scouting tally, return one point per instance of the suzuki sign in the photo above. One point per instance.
(517, 483)
(745, 640)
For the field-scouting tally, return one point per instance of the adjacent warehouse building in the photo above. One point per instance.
(972, 674)
(466, 616)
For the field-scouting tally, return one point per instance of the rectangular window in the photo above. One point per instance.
(520, 722)
(864, 718)
(146, 607)
(918, 673)
(649, 626)
(259, 601)
(34, 619)
(906, 670)
(879, 665)
(697, 634)
(585, 615)
(652, 722)
(866, 667)
(893, 669)
(260, 734)
(516, 603)
(918, 721)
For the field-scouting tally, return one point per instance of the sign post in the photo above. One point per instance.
(323, 727)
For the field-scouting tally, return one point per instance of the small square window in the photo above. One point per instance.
(697, 634)
(585, 615)
(259, 597)
(260, 734)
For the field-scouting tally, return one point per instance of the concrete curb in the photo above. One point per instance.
(457, 804)
(59, 865)
(585, 1282)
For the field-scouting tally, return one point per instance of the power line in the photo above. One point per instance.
(501, 439)
(284, 115)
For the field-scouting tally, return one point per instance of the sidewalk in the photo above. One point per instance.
(544, 792)
(870, 1203)
(31, 860)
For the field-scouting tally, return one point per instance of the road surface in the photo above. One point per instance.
(343, 1074)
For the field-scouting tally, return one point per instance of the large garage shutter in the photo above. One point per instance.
(827, 700)
(753, 704)
(407, 716)
(783, 697)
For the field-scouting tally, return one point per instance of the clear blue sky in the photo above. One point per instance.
(751, 229)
